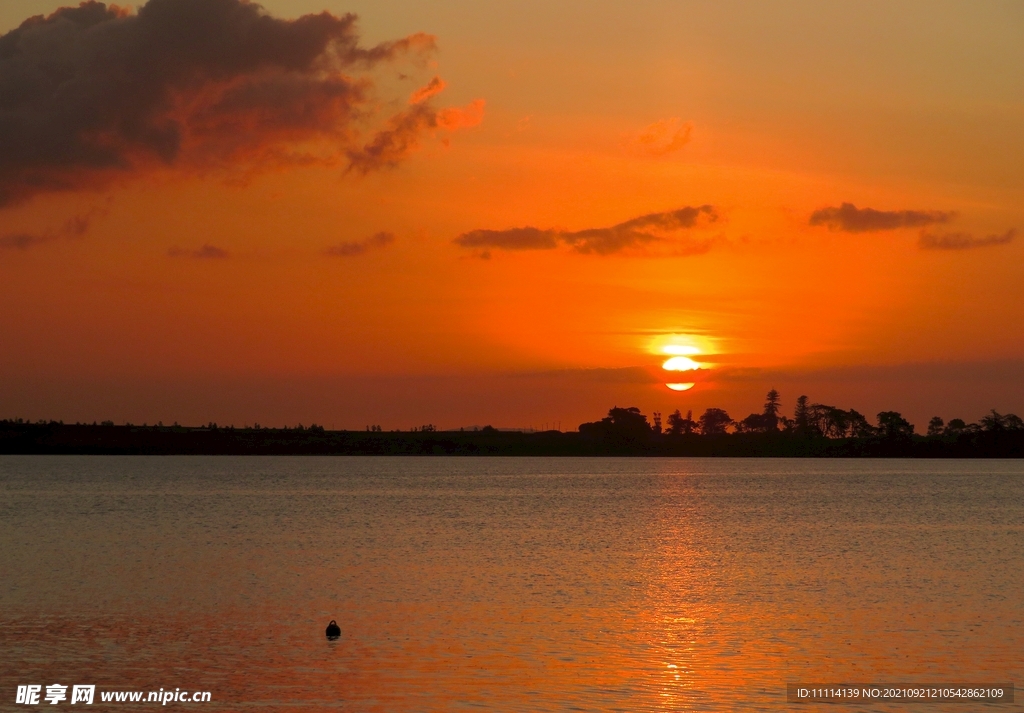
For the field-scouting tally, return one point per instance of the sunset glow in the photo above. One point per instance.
(512, 356)
(416, 216)
(680, 350)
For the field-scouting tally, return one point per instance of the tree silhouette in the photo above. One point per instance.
(754, 423)
(996, 421)
(768, 420)
(801, 417)
(859, 426)
(627, 419)
(892, 425)
(714, 421)
(677, 424)
(955, 426)
(828, 421)
(771, 410)
(993, 421)
(621, 426)
(935, 426)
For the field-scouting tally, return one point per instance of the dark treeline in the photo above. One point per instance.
(815, 430)
(18, 437)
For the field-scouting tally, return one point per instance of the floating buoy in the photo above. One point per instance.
(333, 630)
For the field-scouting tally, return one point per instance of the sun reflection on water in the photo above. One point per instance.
(518, 585)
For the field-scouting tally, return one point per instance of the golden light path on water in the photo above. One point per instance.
(509, 585)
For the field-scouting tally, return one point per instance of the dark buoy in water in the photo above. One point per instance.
(333, 630)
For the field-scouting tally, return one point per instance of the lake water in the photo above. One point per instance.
(508, 584)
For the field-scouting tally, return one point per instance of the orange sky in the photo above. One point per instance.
(356, 256)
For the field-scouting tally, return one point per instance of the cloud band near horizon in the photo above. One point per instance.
(964, 241)
(850, 219)
(637, 232)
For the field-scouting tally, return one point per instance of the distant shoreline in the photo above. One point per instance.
(53, 438)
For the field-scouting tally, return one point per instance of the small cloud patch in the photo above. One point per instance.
(361, 247)
(74, 227)
(850, 219)
(963, 241)
(512, 239)
(663, 137)
(206, 252)
(21, 241)
(668, 227)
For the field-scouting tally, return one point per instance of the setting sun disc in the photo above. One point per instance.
(680, 387)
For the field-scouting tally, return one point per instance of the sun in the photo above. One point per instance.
(681, 350)
(680, 363)
(681, 387)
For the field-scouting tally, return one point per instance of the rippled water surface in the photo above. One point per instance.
(507, 584)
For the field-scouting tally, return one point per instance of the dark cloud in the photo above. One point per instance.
(637, 232)
(207, 252)
(94, 92)
(74, 227)
(851, 219)
(512, 239)
(645, 229)
(963, 241)
(352, 249)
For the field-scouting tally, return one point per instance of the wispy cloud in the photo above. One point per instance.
(432, 88)
(851, 219)
(93, 94)
(74, 227)
(21, 241)
(963, 241)
(206, 252)
(511, 239)
(663, 137)
(668, 227)
(401, 135)
(352, 249)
